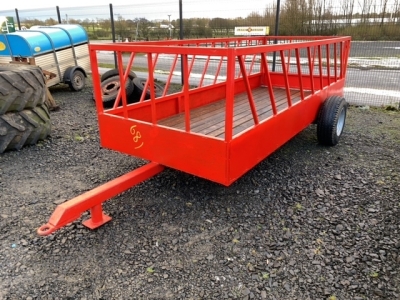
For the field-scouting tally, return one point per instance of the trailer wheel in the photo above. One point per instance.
(26, 127)
(331, 120)
(139, 84)
(78, 81)
(114, 72)
(110, 88)
(21, 87)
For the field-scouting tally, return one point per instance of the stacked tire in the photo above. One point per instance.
(134, 88)
(24, 116)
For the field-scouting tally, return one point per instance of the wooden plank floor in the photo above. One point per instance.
(210, 119)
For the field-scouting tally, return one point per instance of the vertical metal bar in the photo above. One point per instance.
(335, 60)
(18, 21)
(204, 71)
(239, 71)
(320, 68)
(219, 69)
(181, 37)
(58, 14)
(345, 56)
(122, 91)
(328, 62)
(96, 81)
(299, 74)
(278, 8)
(192, 64)
(129, 65)
(230, 94)
(288, 62)
(151, 66)
(311, 69)
(97, 217)
(113, 32)
(269, 82)
(248, 89)
(285, 75)
(171, 73)
(151, 80)
(186, 92)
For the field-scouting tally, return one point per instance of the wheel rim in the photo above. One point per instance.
(340, 123)
(78, 81)
(111, 87)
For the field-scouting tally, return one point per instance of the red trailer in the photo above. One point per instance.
(241, 99)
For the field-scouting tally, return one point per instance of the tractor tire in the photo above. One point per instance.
(331, 120)
(27, 127)
(110, 88)
(139, 84)
(115, 72)
(21, 87)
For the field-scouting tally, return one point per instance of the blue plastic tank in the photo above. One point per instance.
(40, 40)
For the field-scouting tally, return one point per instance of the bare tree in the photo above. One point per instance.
(295, 17)
(384, 4)
(366, 6)
(347, 7)
(396, 10)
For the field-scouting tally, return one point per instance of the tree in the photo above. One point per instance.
(384, 8)
(347, 7)
(365, 9)
(295, 16)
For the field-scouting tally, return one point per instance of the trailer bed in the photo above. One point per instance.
(210, 119)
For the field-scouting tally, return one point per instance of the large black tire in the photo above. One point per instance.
(21, 87)
(110, 88)
(27, 127)
(139, 84)
(115, 72)
(331, 120)
(78, 81)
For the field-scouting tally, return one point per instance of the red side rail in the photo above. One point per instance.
(305, 63)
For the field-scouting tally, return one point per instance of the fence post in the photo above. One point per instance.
(113, 33)
(278, 8)
(18, 21)
(58, 15)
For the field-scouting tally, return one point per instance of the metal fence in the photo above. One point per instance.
(374, 73)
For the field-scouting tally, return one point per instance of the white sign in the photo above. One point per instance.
(252, 30)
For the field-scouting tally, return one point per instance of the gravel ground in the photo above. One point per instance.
(309, 222)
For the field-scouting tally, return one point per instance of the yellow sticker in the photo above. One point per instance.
(37, 49)
(2, 46)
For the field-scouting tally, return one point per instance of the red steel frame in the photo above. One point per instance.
(313, 66)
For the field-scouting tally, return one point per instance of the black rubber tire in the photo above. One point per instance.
(21, 87)
(139, 84)
(110, 88)
(78, 81)
(27, 127)
(115, 72)
(331, 120)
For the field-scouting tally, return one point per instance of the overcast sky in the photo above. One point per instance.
(154, 8)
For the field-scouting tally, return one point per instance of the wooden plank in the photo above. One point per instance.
(210, 119)
(262, 102)
(241, 106)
